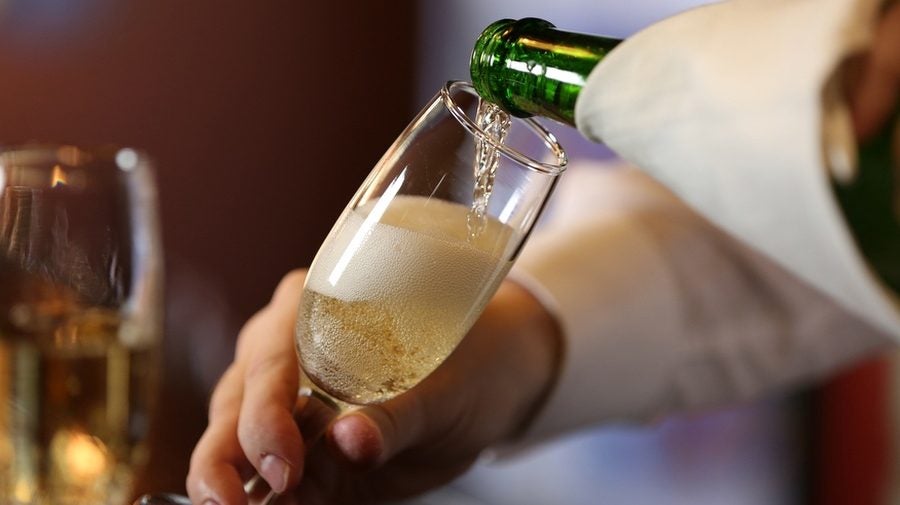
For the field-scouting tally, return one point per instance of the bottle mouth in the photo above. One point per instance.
(549, 140)
(483, 57)
(490, 51)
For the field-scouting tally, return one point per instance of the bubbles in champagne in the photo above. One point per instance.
(495, 123)
(390, 296)
(359, 352)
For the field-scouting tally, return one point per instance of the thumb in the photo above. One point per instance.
(372, 435)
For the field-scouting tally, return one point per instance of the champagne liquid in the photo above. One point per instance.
(391, 294)
(74, 401)
(495, 122)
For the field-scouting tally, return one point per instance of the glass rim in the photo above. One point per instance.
(46, 154)
(545, 135)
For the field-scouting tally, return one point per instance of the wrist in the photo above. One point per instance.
(534, 350)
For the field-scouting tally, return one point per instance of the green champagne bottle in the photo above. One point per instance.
(530, 68)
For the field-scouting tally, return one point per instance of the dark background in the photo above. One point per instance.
(262, 118)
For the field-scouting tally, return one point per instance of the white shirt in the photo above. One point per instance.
(661, 310)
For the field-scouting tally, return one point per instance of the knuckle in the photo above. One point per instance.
(201, 456)
(289, 287)
(263, 430)
(248, 333)
(401, 422)
(268, 369)
(223, 396)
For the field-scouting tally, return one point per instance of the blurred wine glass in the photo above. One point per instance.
(80, 319)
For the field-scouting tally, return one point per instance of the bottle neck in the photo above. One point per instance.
(529, 68)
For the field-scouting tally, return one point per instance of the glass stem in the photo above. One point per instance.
(314, 410)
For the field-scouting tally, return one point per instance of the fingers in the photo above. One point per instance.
(250, 416)
(214, 476)
(267, 432)
(876, 93)
(266, 429)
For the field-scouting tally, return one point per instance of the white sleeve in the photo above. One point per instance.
(661, 311)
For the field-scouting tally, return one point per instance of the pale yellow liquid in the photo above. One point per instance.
(74, 402)
(391, 294)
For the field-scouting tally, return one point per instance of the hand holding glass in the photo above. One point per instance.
(415, 256)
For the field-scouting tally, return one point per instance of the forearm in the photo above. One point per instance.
(661, 312)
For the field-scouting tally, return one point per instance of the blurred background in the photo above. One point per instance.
(264, 117)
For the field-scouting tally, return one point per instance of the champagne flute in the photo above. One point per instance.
(421, 248)
(415, 256)
(80, 318)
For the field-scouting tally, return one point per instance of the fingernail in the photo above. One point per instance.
(275, 470)
(210, 501)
